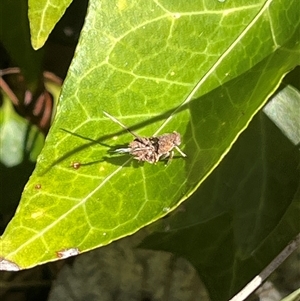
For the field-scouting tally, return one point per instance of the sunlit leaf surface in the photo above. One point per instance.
(201, 68)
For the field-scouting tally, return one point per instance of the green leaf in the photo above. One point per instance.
(20, 143)
(18, 139)
(15, 36)
(293, 296)
(202, 69)
(43, 15)
(286, 103)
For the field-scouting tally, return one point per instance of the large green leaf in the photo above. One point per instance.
(43, 15)
(202, 69)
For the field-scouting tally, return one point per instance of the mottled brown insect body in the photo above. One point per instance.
(151, 149)
(142, 149)
(167, 142)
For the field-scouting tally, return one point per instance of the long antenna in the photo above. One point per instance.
(122, 125)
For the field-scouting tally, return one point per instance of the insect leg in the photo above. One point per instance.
(180, 151)
(170, 156)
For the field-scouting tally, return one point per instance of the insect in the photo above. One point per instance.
(150, 149)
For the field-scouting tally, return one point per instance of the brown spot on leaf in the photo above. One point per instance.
(65, 253)
(76, 165)
(38, 186)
